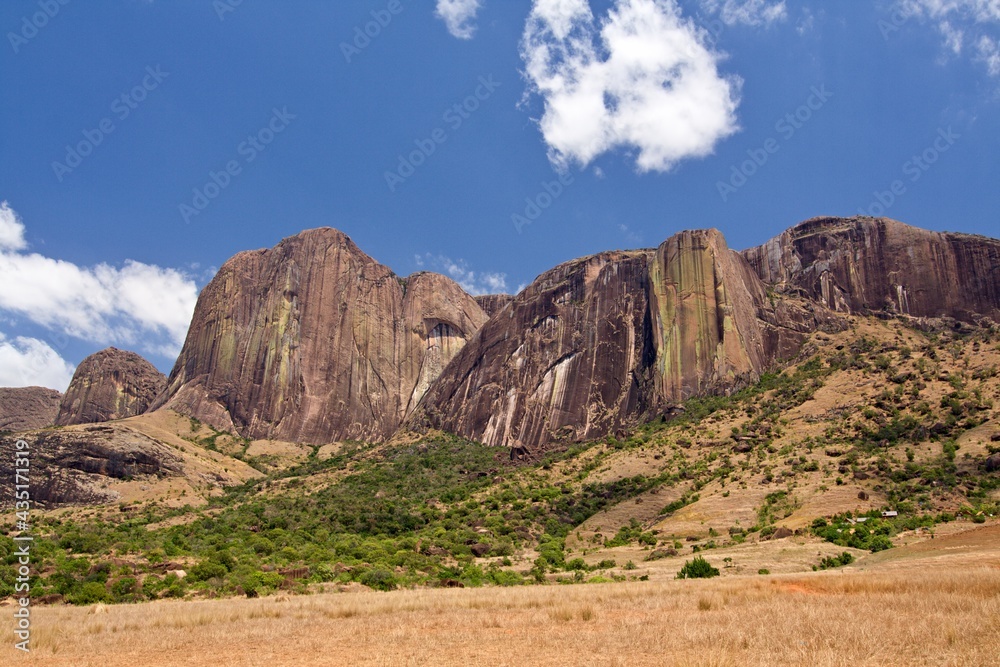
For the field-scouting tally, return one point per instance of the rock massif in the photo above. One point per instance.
(24, 408)
(313, 341)
(599, 343)
(110, 384)
(857, 265)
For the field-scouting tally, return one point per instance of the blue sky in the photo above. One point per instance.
(142, 143)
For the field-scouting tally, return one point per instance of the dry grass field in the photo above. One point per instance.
(936, 602)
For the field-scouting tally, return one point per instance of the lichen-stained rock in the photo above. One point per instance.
(110, 384)
(313, 341)
(23, 408)
(493, 303)
(568, 358)
(706, 303)
(864, 265)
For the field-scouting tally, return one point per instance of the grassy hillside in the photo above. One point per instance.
(879, 417)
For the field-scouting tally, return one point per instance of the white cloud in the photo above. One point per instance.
(747, 12)
(459, 16)
(29, 362)
(962, 24)
(11, 229)
(630, 236)
(473, 282)
(139, 305)
(988, 53)
(642, 78)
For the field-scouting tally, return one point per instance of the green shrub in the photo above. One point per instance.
(379, 579)
(699, 568)
(89, 593)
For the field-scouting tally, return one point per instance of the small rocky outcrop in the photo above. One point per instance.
(72, 466)
(110, 384)
(26, 408)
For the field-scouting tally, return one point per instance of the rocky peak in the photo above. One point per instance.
(597, 344)
(314, 341)
(110, 384)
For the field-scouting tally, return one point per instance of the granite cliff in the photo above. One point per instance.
(313, 341)
(859, 265)
(600, 343)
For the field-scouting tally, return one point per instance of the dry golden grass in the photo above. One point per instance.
(902, 617)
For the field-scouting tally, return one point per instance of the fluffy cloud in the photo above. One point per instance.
(473, 282)
(138, 305)
(29, 362)
(11, 229)
(747, 12)
(962, 23)
(642, 79)
(459, 16)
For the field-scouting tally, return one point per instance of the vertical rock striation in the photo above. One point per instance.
(493, 303)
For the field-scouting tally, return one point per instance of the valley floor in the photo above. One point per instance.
(933, 602)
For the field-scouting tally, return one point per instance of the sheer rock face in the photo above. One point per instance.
(566, 359)
(313, 341)
(25, 408)
(597, 344)
(110, 384)
(493, 303)
(859, 265)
